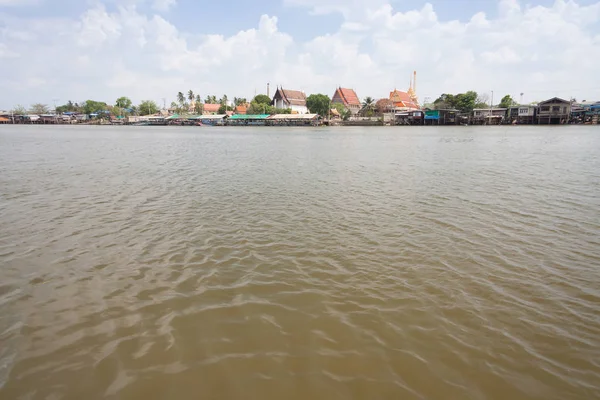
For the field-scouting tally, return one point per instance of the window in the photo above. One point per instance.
(555, 108)
(564, 110)
(545, 108)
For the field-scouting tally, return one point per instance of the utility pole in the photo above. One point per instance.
(492, 101)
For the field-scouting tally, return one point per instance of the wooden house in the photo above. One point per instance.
(292, 99)
(488, 116)
(441, 117)
(347, 98)
(522, 115)
(554, 111)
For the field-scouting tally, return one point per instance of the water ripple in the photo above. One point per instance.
(241, 263)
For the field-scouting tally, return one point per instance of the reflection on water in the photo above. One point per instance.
(393, 263)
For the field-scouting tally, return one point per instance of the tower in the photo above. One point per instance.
(412, 90)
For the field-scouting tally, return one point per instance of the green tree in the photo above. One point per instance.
(198, 107)
(94, 107)
(445, 101)
(148, 107)
(318, 104)
(339, 107)
(190, 96)
(238, 101)
(224, 108)
(507, 102)
(223, 100)
(262, 99)
(69, 107)
(211, 99)
(259, 108)
(19, 110)
(368, 107)
(345, 114)
(123, 102)
(369, 103)
(465, 102)
(198, 99)
(180, 98)
(39, 108)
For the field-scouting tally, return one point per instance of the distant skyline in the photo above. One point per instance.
(55, 51)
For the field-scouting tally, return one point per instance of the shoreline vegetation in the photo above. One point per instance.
(294, 108)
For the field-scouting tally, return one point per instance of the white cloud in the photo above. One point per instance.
(164, 5)
(123, 50)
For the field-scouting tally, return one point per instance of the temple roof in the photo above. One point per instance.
(292, 97)
(348, 96)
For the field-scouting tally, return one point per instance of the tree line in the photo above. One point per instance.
(261, 104)
(467, 102)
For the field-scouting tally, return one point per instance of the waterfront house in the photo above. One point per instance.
(211, 109)
(347, 98)
(4, 120)
(554, 111)
(213, 120)
(523, 115)
(488, 116)
(408, 117)
(585, 112)
(293, 120)
(441, 117)
(292, 99)
(247, 119)
(403, 101)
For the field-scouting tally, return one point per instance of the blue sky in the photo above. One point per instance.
(103, 49)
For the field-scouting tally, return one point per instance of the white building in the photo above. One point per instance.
(293, 99)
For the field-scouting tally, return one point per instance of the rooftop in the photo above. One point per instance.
(292, 97)
(348, 96)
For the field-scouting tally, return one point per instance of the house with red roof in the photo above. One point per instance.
(241, 109)
(347, 98)
(211, 109)
(293, 99)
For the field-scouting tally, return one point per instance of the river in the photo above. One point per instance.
(292, 263)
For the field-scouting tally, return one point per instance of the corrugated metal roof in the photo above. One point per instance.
(207, 117)
(293, 116)
(249, 116)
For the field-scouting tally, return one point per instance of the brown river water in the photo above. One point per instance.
(291, 263)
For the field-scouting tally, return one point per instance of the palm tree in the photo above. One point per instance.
(198, 99)
(368, 106)
(180, 98)
(191, 96)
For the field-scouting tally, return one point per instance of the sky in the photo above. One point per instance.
(55, 51)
